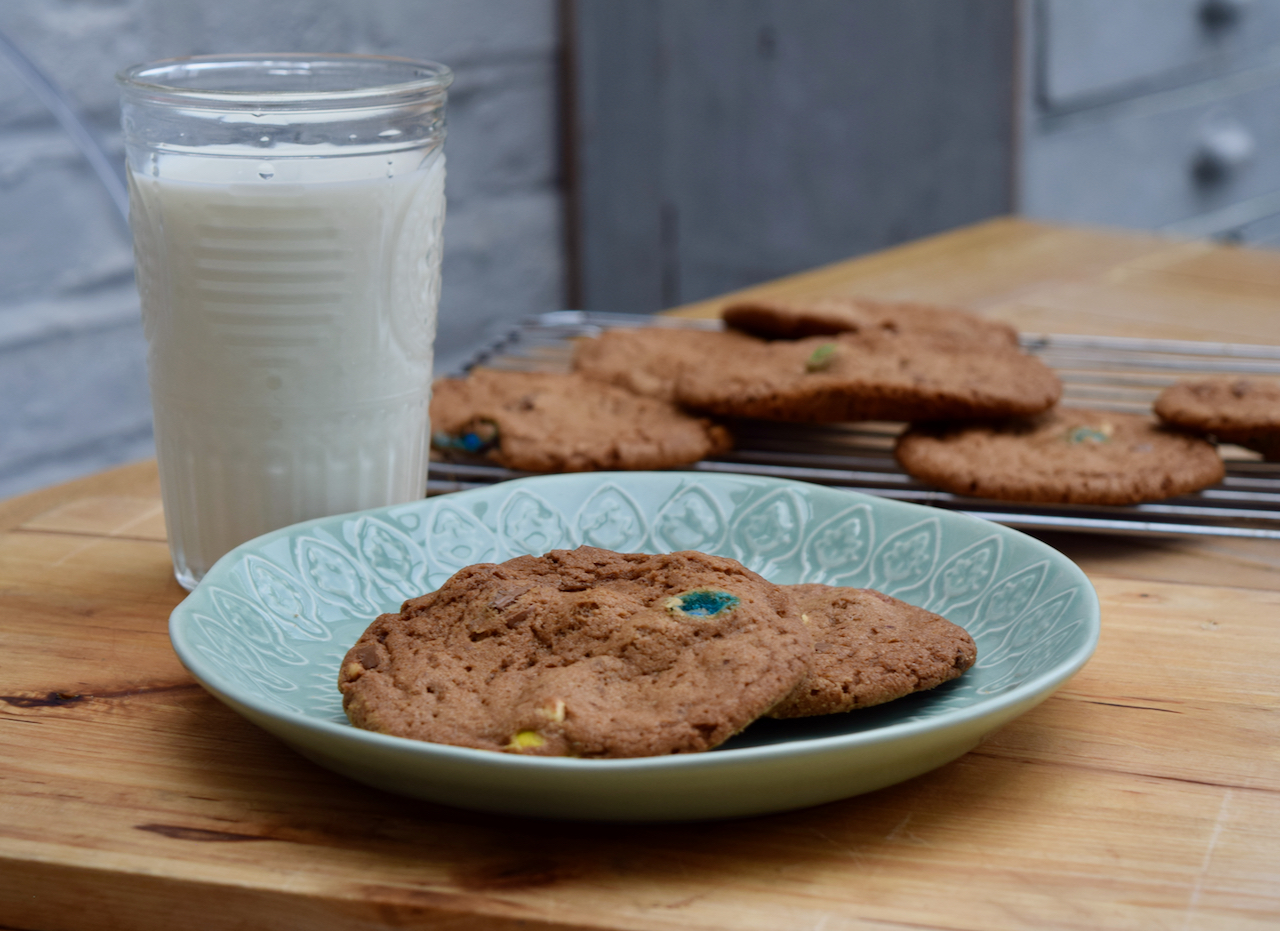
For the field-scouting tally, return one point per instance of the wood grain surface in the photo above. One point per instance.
(1145, 794)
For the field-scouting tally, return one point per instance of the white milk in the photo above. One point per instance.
(289, 321)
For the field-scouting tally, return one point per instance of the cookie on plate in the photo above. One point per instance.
(584, 652)
(1066, 456)
(555, 422)
(870, 648)
(773, 319)
(1245, 411)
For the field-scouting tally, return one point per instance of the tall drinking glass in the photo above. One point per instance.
(287, 214)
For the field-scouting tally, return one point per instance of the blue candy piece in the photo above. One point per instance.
(703, 602)
(479, 440)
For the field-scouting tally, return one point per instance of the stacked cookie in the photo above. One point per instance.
(595, 654)
(834, 360)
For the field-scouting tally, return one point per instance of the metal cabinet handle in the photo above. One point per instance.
(1226, 145)
(1218, 14)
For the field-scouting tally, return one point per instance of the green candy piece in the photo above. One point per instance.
(821, 358)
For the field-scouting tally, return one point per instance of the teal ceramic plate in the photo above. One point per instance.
(266, 630)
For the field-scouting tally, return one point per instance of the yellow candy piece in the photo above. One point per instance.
(524, 740)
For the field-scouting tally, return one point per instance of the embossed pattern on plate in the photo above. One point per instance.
(269, 625)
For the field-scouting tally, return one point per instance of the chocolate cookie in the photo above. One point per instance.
(583, 653)
(552, 422)
(871, 375)
(831, 315)
(870, 648)
(648, 360)
(1244, 411)
(1067, 455)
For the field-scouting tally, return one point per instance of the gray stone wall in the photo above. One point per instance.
(73, 395)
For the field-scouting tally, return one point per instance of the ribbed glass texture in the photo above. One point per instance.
(287, 215)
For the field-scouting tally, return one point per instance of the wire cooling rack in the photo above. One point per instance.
(1106, 373)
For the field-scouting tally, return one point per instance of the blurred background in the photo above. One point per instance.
(632, 155)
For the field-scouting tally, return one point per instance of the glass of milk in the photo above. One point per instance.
(287, 214)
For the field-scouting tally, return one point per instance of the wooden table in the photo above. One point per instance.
(1145, 794)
